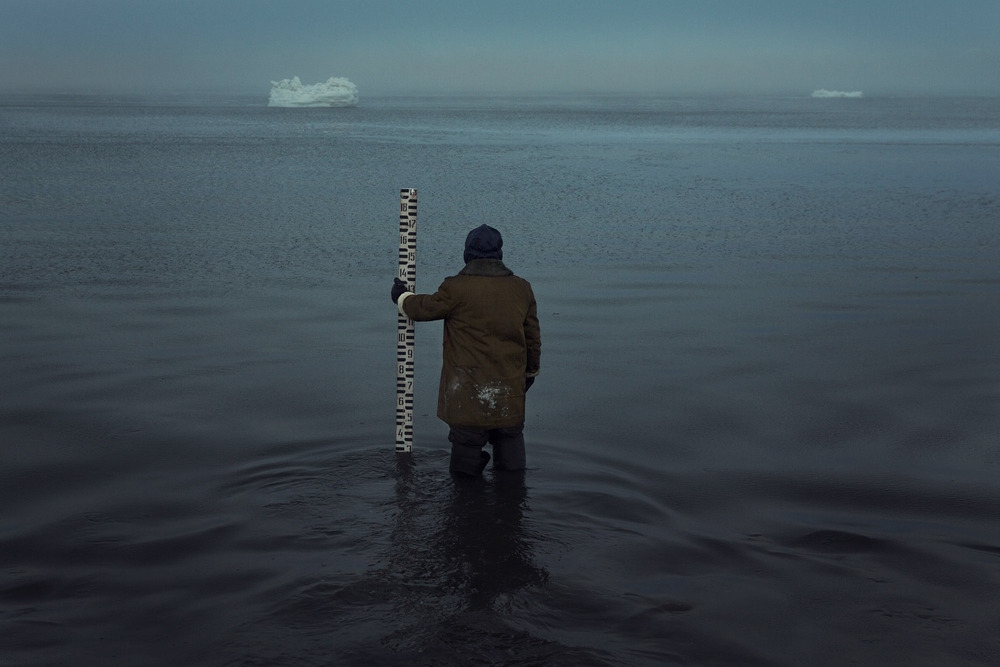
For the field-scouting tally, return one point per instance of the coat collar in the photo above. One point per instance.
(485, 267)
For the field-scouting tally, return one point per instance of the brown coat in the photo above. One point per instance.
(492, 343)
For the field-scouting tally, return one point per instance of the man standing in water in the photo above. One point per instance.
(490, 357)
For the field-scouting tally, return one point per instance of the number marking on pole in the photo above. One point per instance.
(404, 325)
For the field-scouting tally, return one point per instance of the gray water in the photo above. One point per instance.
(765, 432)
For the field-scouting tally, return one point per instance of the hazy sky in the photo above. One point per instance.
(505, 46)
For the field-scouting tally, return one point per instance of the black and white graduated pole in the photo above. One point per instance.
(404, 325)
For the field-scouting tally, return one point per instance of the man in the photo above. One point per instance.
(491, 352)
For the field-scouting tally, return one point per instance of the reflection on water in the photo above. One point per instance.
(435, 572)
(459, 573)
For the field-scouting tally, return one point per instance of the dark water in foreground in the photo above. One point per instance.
(766, 431)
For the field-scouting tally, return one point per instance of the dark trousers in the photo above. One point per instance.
(468, 457)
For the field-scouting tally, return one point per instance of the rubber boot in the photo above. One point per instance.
(467, 460)
(509, 455)
(508, 448)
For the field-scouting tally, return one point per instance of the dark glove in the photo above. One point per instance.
(398, 287)
(528, 381)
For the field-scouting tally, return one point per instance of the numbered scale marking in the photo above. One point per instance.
(404, 325)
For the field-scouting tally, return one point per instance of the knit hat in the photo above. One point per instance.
(483, 242)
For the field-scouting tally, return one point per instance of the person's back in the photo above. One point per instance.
(490, 356)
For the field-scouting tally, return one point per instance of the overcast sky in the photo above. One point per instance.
(505, 46)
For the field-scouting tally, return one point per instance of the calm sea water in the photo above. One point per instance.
(767, 429)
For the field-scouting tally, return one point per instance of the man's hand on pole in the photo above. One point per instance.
(398, 287)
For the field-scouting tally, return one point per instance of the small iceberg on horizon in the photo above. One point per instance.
(837, 93)
(334, 92)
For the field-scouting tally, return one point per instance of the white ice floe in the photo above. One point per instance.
(837, 93)
(334, 92)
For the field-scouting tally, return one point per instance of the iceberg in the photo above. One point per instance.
(837, 93)
(334, 92)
